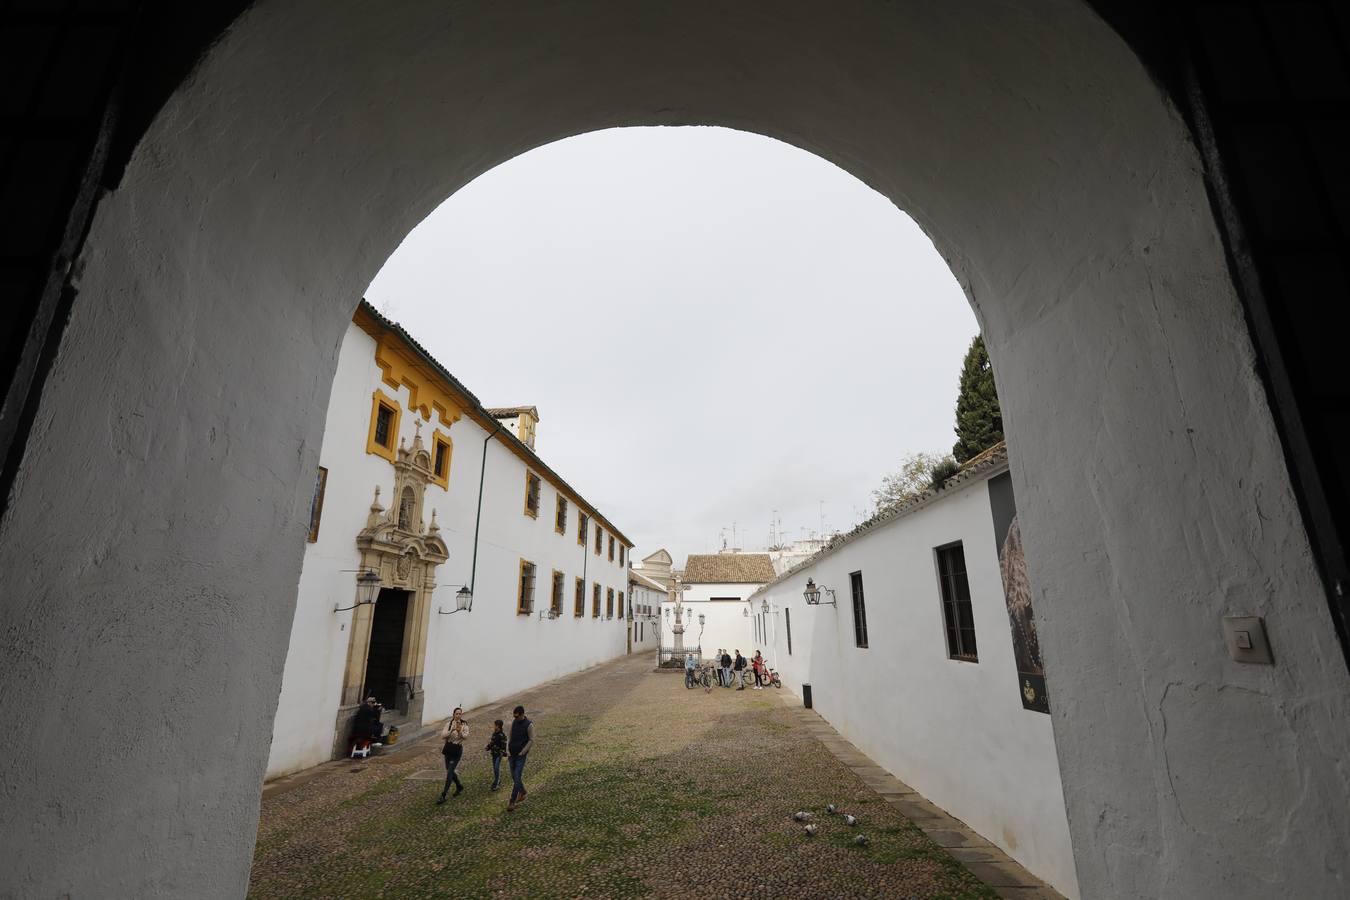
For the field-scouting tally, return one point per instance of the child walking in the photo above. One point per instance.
(497, 748)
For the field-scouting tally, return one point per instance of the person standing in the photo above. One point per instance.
(689, 670)
(726, 668)
(739, 666)
(452, 748)
(496, 748)
(757, 664)
(518, 747)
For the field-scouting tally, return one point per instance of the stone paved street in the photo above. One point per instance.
(638, 788)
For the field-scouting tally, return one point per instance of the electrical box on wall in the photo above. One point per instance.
(1246, 639)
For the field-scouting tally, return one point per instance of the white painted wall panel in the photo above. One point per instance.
(954, 731)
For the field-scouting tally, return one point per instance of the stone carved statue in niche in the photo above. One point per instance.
(396, 543)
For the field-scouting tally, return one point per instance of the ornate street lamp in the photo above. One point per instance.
(463, 602)
(367, 590)
(812, 594)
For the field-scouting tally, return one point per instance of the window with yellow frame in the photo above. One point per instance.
(556, 596)
(441, 449)
(560, 515)
(595, 602)
(609, 603)
(583, 528)
(525, 598)
(579, 603)
(611, 548)
(384, 418)
(599, 539)
(532, 488)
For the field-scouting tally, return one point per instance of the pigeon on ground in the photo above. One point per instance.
(810, 831)
(850, 820)
(861, 840)
(831, 808)
(802, 816)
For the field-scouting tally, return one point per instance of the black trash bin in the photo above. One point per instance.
(806, 696)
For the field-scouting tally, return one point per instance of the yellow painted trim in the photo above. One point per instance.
(401, 366)
(439, 436)
(579, 608)
(583, 528)
(611, 548)
(378, 399)
(520, 588)
(609, 603)
(599, 540)
(595, 601)
(621, 604)
(532, 513)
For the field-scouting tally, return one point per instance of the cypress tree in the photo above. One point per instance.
(979, 421)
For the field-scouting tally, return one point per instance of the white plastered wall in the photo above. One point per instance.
(152, 549)
(472, 657)
(954, 731)
(725, 624)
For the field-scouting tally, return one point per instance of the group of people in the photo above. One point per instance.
(729, 670)
(513, 745)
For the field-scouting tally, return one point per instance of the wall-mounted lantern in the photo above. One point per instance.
(812, 594)
(463, 602)
(367, 590)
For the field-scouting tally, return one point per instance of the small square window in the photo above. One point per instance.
(384, 425)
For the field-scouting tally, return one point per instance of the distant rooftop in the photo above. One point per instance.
(728, 568)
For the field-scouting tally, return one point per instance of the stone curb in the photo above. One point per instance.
(982, 859)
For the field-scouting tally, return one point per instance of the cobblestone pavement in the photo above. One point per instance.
(638, 788)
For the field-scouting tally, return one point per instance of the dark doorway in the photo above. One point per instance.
(386, 647)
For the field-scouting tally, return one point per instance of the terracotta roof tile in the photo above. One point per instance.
(728, 568)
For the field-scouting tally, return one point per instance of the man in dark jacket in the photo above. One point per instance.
(367, 724)
(739, 666)
(725, 661)
(517, 747)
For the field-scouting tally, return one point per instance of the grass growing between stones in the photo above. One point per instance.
(638, 788)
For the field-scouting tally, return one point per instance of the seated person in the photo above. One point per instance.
(367, 724)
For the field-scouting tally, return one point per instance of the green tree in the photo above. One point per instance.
(979, 420)
(915, 477)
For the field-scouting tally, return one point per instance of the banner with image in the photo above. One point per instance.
(1017, 594)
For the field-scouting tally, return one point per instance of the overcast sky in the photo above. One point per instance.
(714, 326)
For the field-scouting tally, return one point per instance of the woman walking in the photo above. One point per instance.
(455, 733)
(496, 748)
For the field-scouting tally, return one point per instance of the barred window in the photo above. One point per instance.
(958, 616)
(525, 600)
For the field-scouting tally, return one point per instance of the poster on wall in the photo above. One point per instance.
(1012, 564)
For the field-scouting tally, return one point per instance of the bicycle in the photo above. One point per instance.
(702, 677)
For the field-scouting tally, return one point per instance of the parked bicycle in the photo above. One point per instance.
(700, 677)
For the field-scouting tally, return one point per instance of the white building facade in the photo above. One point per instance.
(929, 661)
(715, 586)
(645, 597)
(397, 503)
